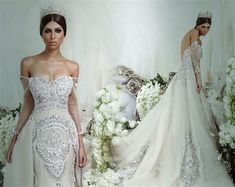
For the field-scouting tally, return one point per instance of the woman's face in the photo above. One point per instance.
(53, 35)
(203, 28)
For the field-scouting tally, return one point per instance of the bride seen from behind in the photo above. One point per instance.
(173, 145)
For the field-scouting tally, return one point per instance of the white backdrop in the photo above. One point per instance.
(144, 35)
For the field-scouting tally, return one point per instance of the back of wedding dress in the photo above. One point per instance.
(173, 146)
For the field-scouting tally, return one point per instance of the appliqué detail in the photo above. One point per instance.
(54, 131)
(130, 169)
(190, 171)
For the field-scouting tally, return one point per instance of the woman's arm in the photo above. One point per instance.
(195, 58)
(28, 105)
(74, 112)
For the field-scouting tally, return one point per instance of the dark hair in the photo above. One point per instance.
(53, 17)
(202, 21)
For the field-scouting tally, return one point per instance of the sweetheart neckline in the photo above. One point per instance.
(51, 81)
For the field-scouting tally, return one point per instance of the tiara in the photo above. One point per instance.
(205, 14)
(52, 9)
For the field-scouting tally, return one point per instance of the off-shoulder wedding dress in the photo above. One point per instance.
(46, 148)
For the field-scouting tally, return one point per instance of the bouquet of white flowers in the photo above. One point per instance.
(108, 124)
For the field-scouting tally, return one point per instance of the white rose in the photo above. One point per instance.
(100, 93)
(106, 97)
(115, 107)
(132, 124)
(123, 119)
(110, 127)
(98, 130)
(98, 117)
(95, 143)
(118, 131)
(232, 74)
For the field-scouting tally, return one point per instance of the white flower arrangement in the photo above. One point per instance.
(227, 130)
(227, 135)
(7, 125)
(150, 94)
(108, 124)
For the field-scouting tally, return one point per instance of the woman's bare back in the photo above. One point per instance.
(187, 40)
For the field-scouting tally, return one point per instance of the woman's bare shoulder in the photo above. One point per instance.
(27, 61)
(73, 67)
(194, 32)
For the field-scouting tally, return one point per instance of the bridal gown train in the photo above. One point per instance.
(45, 152)
(173, 145)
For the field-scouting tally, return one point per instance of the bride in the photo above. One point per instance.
(47, 145)
(173, 145)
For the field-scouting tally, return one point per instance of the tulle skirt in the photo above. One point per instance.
(173, 146)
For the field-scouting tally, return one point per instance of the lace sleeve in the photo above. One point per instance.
(195, 56)
(27, 107)
(73, 106)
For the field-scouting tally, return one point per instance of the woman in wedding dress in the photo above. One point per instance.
(47, 147)
(173, 145)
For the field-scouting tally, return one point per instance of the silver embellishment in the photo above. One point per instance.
(52, 9)
(54, 132)
(190, 171)
(130, 169)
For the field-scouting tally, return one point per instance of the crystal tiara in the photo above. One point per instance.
(52, 9)
(205, 14)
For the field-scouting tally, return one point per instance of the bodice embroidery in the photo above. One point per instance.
(54, 131)
(186, 68)
(50, 94)
(191, 163)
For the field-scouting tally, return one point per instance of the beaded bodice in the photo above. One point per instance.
(49, 94)
(187, 52)
(186, 70)
(54, 132)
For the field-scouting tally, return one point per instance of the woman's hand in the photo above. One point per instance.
(82, 156)
(199, 87)
(10, 149)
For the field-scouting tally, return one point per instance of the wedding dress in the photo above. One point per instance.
(46, 148)
(173, 145)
